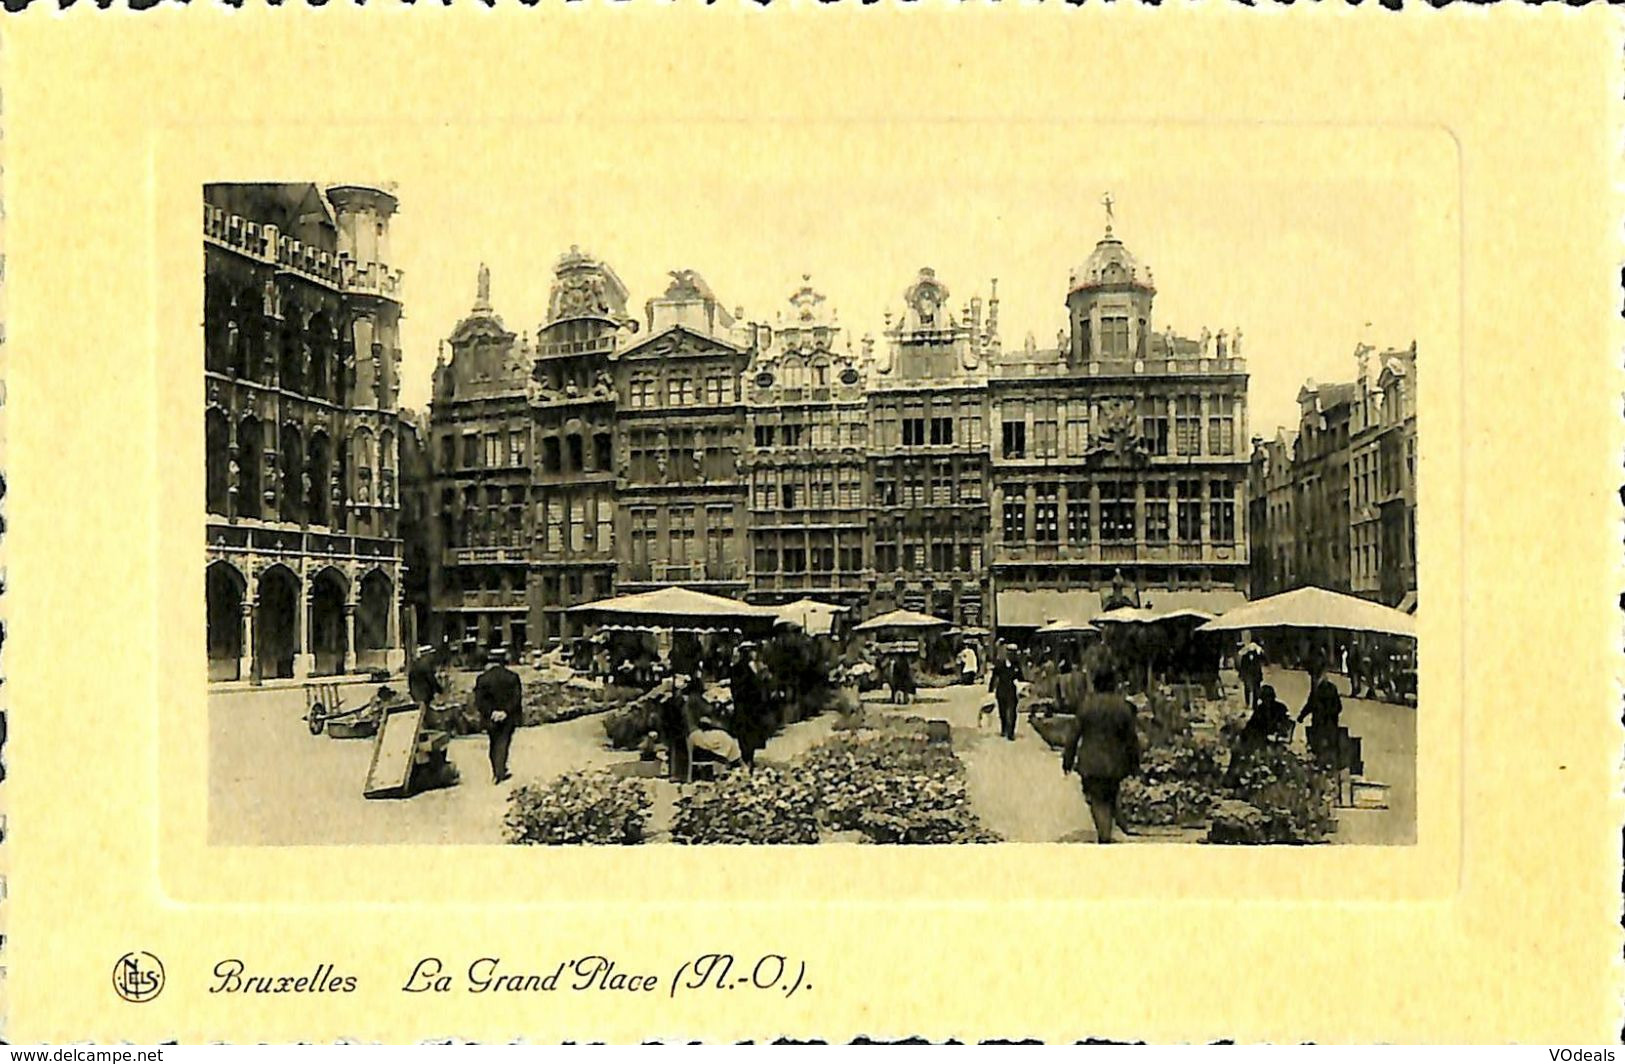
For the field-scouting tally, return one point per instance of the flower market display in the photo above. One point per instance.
(892, 785)
(580, 807)
(1276, 795)
(766, 806)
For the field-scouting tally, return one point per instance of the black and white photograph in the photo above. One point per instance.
(929, 514)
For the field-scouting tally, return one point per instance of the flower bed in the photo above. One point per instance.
(893, 786)
(765, 806)
(1277, 795)
(580, 807)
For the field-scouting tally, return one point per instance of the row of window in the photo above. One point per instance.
(681, 543)
(1046, 438)
(819, 432)
(1118, 517)
(792, 489)
(914, 554)
(917, 430)
(814, 558)
(718, 389)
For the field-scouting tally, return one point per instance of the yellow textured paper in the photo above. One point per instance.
(1501, 923)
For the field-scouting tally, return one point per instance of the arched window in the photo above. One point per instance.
(794, 373)
(386, 468)
(293, 374)
(250, 463)
(217, 452)
(295, 481)
(321, 478)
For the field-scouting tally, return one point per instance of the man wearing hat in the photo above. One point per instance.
(498, 699)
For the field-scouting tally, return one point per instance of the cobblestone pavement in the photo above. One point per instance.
(273, 783)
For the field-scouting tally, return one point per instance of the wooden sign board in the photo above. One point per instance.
(394, 750)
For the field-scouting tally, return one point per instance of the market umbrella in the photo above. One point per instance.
(1314, 607)
(1124, 615)
(677, 607)
(814, 617)
(1065, 627)
(901, 619)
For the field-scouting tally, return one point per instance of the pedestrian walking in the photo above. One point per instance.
(902, 680)
(1103, 751)
(1250, 666)
(1324, 708)
(1003, 685)
(752, 724)
(499, 701)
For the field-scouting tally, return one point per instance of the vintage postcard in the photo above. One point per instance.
(620, 524)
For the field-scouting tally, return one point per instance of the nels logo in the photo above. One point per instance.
(138, 976)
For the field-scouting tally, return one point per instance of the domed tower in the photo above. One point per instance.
(1109, 303)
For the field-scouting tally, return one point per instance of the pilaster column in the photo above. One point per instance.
(304, 662)
(348, 654)
(1203, 444)
(245, 661)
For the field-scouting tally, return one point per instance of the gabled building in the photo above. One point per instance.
(1118, 472)
(1272, 518)
(806, 458)
(480, 451)
(572, 397)
(301, 358)
(928, 456)
(680, 433)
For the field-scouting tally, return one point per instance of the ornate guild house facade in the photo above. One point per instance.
(680, 428)
(1118, 468)
(301, 361)
(928, 455)
(807, 445)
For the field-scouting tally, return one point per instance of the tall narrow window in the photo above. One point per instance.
(605, 539)
(1046, 514)
(1077, 516)
(1015, 514)
(1117, 511)
(1190, 511)
(1046, 432)
(1156, 511)
(1015, 439)
(1222, 518)
(942, 430)
(1188, 425)
(1077, 431)
(1154, 423)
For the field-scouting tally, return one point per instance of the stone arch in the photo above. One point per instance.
(329, 639)
(250, 465)
(793, 373)
(217, 461)
(375, 602)
(292, 474)
(227, 589)
(322, 336)
(276, 622)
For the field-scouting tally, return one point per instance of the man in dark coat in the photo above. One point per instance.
(1324, 708)
(499, 700)
(1104, 751)
(1003, 685)
(1250, 667)
(422, 682)
(752, 725)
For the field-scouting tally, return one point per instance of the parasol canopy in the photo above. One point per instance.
(677, 607)
(813, 617)
(901, 619)
(1314, 607)
(1124, 615)
(1065, 627)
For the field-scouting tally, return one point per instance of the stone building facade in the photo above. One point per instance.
(301, 362)
(928, 456)
(480, 450)
(573, 403)
(1338, 496)
(807, 459)
(1117, 462)
(679, 438)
